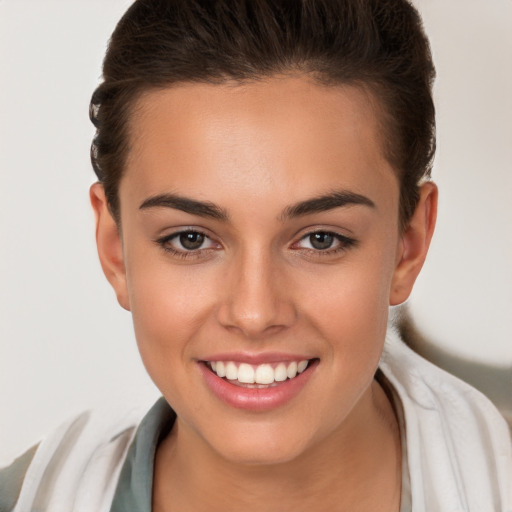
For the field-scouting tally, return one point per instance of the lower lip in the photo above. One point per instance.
(257, 399)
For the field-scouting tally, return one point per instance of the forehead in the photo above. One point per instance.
(287, 134)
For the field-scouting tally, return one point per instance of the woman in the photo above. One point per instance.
(263, 197)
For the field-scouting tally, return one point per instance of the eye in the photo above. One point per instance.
(191, 240)
(325, 241)
(188, 241)
(321, 240)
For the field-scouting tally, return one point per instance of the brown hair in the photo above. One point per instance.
(376, 44)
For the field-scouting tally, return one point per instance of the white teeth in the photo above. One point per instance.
(220, 369)
(302, 366)
(280, 373)
(262, 374)
(291, 371)
(231, 371)
(246, 374)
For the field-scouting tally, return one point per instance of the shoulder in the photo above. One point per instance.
(83, 454)
(458, 445)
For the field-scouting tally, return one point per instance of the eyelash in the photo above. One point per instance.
(345, 243)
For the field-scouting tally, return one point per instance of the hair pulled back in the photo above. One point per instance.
(376, 44)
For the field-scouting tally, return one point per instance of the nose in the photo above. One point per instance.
(256, 298)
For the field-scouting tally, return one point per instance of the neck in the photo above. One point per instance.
(355, 468)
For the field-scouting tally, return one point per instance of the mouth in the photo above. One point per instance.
(258, 376)
(257, 387)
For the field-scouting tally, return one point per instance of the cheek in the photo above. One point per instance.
(169, 305)
(349, 304)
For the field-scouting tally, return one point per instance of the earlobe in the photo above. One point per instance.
(109, 244)
(414, 244)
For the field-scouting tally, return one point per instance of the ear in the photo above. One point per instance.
(109, 243)
(414, 244)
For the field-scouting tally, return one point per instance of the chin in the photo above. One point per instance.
(260, 455)
(260, 445)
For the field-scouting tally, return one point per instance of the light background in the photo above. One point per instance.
(65, 344)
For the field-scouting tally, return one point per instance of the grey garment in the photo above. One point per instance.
(11, 480)
(135, 487)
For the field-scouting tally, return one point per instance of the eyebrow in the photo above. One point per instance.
(330, 201)
(187, 205)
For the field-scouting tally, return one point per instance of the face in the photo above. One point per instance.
(260, 238)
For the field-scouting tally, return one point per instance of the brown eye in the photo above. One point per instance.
(321, 240)
(187, 242)
(325, 242)
(191, 240)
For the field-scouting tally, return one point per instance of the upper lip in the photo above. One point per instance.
(256, 359)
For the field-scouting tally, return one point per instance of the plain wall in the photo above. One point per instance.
(65, 344)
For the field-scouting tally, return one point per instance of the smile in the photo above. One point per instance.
(257, 385)
(258, 376)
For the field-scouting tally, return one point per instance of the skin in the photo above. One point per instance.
(258, 285)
